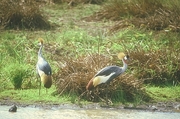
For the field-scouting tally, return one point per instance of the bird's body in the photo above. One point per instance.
(107, 74)
(43, 69)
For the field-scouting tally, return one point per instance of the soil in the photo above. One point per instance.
(159, 106)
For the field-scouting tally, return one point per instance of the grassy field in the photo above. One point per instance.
(83, 32)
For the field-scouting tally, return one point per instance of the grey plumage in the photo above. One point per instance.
(44, 66)
(108, 70)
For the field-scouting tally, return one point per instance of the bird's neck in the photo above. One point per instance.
(124, 66)
(40, 52)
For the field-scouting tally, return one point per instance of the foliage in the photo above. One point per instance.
(16, 73)
(18, 14)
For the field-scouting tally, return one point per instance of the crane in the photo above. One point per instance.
(43, 68)
(107, 74)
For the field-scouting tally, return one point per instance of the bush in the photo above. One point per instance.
(16, 73)
(158, 68)
(18, 15)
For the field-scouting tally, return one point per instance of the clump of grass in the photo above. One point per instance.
(74, 76)
(159, 67)
(16, 73)
(19, 15)
(154, 14)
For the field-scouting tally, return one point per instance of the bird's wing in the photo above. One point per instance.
(108, 70)
(45, 67)
(114, 71)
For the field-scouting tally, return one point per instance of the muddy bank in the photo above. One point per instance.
(159, 106)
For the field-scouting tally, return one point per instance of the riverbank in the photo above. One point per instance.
(158, 106)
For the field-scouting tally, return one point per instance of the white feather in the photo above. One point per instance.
(104, 78)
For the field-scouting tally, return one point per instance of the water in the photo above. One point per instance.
(67, 113)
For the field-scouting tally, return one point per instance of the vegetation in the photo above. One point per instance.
(86, 38)
(151, 15)
(20, 14)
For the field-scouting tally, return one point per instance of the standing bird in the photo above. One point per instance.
(108, 73)
(43, 68)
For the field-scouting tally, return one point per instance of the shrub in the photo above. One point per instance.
(16, 73)
(17, 15)
(159, 67)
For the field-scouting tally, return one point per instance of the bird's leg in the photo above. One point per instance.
(107, 94)
(39, 87)
(46, 90)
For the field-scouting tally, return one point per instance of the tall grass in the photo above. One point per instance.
(16, 60)
(16, 73)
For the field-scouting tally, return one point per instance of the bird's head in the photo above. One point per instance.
(123, 57)
(40, 41)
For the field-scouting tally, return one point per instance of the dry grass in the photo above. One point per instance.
(157, 67)
(17, 15)
(74, 76)
(140, 13)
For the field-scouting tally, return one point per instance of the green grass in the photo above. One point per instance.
(31, 96)
(169, 93)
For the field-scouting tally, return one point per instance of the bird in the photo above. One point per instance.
(107, 74)
(13, 108)
(43, 68)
